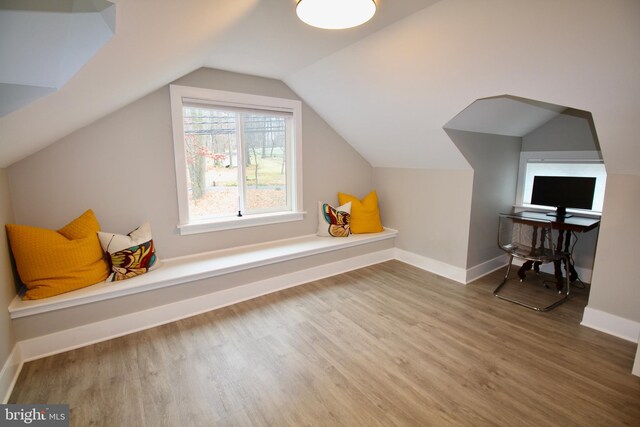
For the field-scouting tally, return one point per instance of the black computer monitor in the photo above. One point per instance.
(562, 192)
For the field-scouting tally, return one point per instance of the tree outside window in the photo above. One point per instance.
(236, 161)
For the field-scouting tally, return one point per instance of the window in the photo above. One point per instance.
(238, 159)
(561, 163)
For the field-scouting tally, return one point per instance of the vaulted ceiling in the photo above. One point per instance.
(158, 41)
(388, 87)
(44, 43)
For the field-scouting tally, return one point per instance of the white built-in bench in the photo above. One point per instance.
(181, 270)
(199, 283)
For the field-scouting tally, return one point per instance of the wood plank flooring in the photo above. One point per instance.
(381, 346)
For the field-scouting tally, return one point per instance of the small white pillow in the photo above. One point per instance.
(130, 255)
(334, 222)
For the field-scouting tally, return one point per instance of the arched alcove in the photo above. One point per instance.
(501, 137)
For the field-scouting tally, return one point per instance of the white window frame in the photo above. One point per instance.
(553, 156)
(186, 94)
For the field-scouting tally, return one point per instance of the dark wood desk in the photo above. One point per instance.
(578, 224)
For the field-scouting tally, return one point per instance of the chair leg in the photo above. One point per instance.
(523, 303)
(509, 267)
(506, 277)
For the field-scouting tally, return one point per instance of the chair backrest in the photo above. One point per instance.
(526, 238)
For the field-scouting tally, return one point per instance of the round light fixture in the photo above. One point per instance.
(335, 14)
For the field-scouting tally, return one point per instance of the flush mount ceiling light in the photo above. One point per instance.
(335, 14)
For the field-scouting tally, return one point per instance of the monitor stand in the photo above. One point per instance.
(560, 213)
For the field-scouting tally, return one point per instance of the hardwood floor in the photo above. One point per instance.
(385, 345)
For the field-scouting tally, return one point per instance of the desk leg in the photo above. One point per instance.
(557, 269)
(573, 274)
(523, 270)
(557, 265)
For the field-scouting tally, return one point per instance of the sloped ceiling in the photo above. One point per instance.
(390, 95)
(388, 87)
(271, 41)
(158, 41)
(504, 115)
(36, 63)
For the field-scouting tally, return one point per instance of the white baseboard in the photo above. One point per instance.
(611, 324)
(485, 268)
(433, 266)
(636, 364)
(9, 373)
(449, 271)
(69, 339)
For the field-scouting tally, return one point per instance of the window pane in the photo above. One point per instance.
(265, 141)
(225, 166)
(212, 162)
(596, 170)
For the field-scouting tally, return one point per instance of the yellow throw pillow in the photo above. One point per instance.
(54, 262)
(365, 215)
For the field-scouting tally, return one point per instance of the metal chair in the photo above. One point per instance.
(531, 240)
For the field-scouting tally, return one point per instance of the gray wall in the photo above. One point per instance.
(7, 288)
(122, 167)
(570, 131)
(494, 160)
(429, 208)
(615, 285)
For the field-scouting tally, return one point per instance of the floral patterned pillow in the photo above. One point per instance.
(334, 222)
(130, 255)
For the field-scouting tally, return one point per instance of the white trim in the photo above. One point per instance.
(487, 267)
(239, 222)
(9, 373)
(175, 271)
(179, 154)
(88, 334)
(465, 276)
(460, 275)
(433, 266)
(611, 324)
(636, 364)
(181, 94)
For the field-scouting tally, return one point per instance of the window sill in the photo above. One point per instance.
(239, 222)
